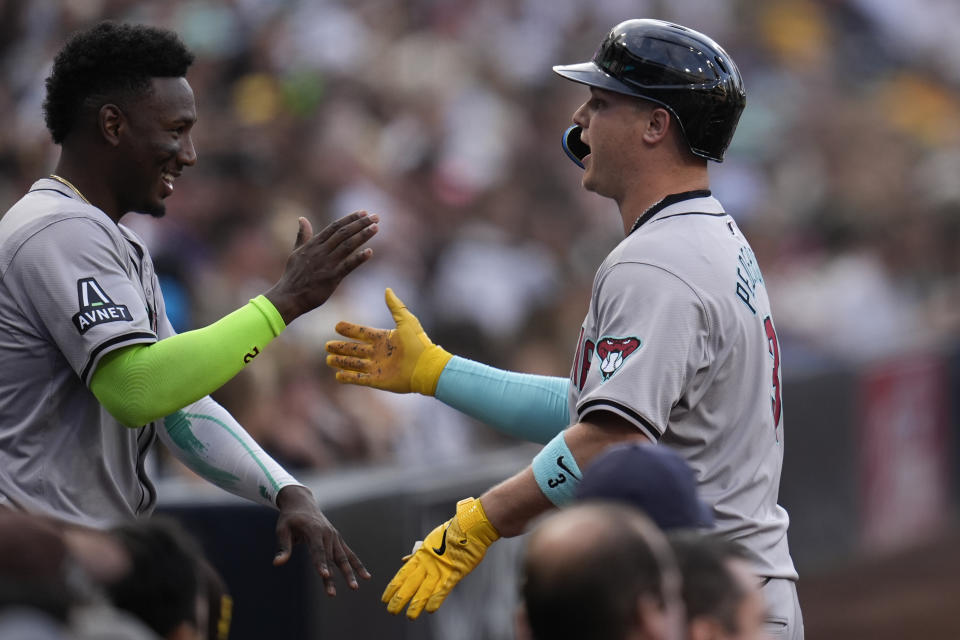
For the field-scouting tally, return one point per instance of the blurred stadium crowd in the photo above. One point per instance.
(443, 117)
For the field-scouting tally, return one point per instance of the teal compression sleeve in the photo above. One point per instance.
(142, 383)
(525, 406)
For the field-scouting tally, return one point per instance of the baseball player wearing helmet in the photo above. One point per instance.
(93, 372)
(678, 346)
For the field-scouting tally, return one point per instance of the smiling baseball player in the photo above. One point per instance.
(93, 372)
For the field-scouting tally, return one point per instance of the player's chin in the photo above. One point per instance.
(155, 209)
(588, 182)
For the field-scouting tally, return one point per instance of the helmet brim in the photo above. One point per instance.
(590, 74)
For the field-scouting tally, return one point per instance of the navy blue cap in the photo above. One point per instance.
(651, 477)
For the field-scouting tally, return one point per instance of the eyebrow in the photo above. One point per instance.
(184, 119)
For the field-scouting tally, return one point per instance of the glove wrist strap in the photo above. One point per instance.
(427, 371)
(473, 520)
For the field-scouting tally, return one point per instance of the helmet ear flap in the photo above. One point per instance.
(574, 147)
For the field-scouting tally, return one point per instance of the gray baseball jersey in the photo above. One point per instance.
(73, 287)
(679, 340)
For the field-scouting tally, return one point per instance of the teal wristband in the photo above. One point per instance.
(556, 471)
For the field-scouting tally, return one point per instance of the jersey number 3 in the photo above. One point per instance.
(773, 346)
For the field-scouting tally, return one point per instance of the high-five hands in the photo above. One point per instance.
(448, 553)
(399, 360)
(319, 262)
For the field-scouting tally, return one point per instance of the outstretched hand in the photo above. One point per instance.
(319, 262)
(302, 521)
(445, 556)
(399, 360)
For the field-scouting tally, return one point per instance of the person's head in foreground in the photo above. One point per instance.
(599, 571)
(164, 587)
(721, 595)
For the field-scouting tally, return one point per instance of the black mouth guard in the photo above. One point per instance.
(575, 149)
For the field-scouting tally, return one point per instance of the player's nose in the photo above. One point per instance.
(581, 117)
(188, 153)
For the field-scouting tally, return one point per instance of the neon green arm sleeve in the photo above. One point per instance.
(142, 383)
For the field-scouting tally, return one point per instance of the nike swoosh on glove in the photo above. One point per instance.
(448, 553)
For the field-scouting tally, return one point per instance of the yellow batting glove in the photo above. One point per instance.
(450, 552)
(399, 360)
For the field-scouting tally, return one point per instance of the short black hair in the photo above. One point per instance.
(109, 59)
(709, 587)
(164, 581)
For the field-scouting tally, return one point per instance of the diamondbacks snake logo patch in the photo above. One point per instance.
(613, 352)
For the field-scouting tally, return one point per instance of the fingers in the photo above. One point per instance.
(404, 585)
(343, 563)
(355, 564)
(439, 595)
(339, 241)
(399, 310)
(345, 238)
(349, 364)
(395, 304)
(397, 581)
(305, 231)
(423, 595)
(359, 332)
(354, 377)
(321, 549)
(285, 544)
(352, 349)
(346, 220)
(353, 261)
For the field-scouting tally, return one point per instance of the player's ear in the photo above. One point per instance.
(656, 125)
(111, 122)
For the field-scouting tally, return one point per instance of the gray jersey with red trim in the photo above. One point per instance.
(74, 286)
(680, 341)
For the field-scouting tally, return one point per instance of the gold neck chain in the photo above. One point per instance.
(67, 183)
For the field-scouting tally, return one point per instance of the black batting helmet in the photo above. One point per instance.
(676, 67)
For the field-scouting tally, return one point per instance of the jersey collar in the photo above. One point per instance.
(672, 199)
(49, 184)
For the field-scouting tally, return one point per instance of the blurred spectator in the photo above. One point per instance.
(220, 612)
(36, 570)
(599, 571)
(721, 595)
(52, 581)
(164, 587)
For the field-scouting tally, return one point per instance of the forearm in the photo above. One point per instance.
(209, 441)
(525, 406)
(142, 383)
(513, 503)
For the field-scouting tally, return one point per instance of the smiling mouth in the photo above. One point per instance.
(168, 179)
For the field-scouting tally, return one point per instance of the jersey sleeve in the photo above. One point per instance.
(651, 337)
(75, 278)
